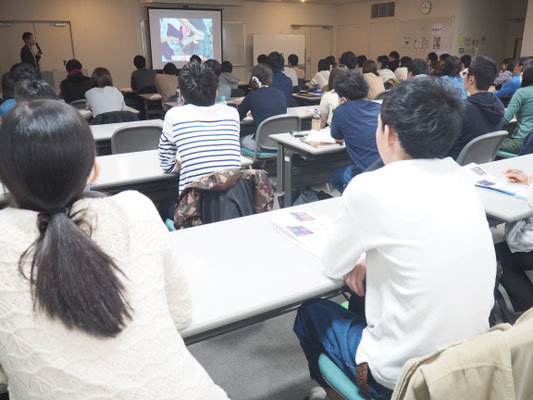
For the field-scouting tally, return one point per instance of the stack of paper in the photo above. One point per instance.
(319, 138)
(482, 178)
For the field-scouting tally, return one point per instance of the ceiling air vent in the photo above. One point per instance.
(383, 10)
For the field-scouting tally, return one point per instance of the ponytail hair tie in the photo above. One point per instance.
(257, 81)
(44, 217)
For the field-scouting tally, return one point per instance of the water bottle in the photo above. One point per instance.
(223, 100)
(179, 101)
(315, 124)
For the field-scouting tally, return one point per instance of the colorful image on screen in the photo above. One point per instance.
(183, 37)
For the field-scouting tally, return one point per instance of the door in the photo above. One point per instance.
(318, 44)
(56, 44)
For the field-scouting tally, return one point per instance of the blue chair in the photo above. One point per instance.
(505, 154)
(338, 380)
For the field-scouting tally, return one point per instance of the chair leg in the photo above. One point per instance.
(501, 303)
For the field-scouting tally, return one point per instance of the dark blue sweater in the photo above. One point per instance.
(263, 103)
(282, 82)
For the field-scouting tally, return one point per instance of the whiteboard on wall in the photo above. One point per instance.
(418, 37)
(233, 43)
(285, 44)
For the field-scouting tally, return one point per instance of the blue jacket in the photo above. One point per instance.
(509, 88)
(457, 83)
(282, 82)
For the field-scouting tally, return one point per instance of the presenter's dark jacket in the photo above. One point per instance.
(27, 57)
(75, 86)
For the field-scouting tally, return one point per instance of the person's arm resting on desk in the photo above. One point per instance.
(167, 151)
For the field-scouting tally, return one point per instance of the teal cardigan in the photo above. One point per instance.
(521, 105)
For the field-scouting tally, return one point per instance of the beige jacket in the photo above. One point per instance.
(375, 85)
(167, 86)
(494, 366)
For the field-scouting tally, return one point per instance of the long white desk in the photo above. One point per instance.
(501, 206)
(248, 273)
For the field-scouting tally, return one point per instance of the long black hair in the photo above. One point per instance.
(47, 154)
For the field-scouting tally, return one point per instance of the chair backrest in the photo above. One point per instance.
(114, 116)
(276, 124)
(482, 149)
(135, 138)
(237, 93)
(173, 98)
(147, 89)
(79, 104)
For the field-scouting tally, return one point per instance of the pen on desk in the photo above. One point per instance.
(513, 171)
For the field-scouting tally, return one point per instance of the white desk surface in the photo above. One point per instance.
(243, 83)
(304, 112)
(249, 268)
(289, 140)
(151, 96)
(127, 90)
(105, 131)
(502, 206)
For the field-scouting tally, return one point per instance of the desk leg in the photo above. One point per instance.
(287, 176)
(279, 168)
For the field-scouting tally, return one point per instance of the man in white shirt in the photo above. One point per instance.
(430, 265)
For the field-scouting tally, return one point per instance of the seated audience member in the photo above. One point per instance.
(375, 83)
(167, 83)
(515, 256)
(465, 63)
(443, 58)
(18, 73)
(195, 58)
(223, 90)
(354, 121)
(506, 74)
(402, 306)
(293, 63)
(521, 106)
(394, 60)
(483, 111)
(74, 87)
(330, 99)
(435, 68)
(383, 69)
(8, 90)
(143, 77)
(199, 125)
(401, 71)
(102, 96)
(262, 59)
(33, 90)
(432, 57)
(279, 79)
(320, 80)
(332, 61)
(451, 74)
(227, 77)
(263, 101)
(417, 67)
(514, 83)
(348, 59)
(90, 282)
(291, 74)
(360, 61)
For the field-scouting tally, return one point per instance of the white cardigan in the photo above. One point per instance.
(41, 359)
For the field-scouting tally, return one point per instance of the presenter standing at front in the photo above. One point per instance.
(30, 54)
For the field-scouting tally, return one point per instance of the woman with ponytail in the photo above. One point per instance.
(264, 101)
(91, 292)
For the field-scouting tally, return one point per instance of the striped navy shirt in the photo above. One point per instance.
(204, 139)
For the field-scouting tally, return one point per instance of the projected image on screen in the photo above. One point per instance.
(183, 37)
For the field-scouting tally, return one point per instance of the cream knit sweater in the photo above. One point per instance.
(41, 359)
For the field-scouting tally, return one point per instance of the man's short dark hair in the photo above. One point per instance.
(214, 65)
(406, 61)
(262, 59)
(293, 59)
(276, 61)
(451, 67)
(8, 86)
(72, 65)
(427, 115)
(348, 59)
(361, 60)
(394, 54)
(198, 84)
(432, 56)
(331, 60)
(351, 85)
(384, 60)
(170, 69)
(26, 36)
(509, 63)
(527, 75)
(226, 66)
(23, 71)
(139, 62)
(466, 60)
(33, 90)
(444, 56)
(485, 70)
(195, 58)
(418, 67)
(323, 65)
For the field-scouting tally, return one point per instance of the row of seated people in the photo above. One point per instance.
(103, 285)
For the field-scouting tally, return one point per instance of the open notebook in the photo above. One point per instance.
(482, 178)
